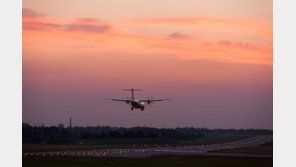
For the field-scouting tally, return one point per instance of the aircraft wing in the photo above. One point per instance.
(121, 100)
(151, 101)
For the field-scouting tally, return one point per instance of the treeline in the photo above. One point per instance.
(61, 135)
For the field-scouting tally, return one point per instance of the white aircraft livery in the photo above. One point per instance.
(138, 104)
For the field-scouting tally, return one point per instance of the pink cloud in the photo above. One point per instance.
(108, 38)
(26, 12)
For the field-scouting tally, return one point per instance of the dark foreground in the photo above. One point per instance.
(168, 150)
(170, 161)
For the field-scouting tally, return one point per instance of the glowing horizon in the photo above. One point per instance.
(174, 49)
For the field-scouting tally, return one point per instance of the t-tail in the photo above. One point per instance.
(132, 90)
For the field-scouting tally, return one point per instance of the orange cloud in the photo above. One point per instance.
(78, 25)
(198, 20)
(177, 35)
(95, 36)
(26, 12)
(256, 27)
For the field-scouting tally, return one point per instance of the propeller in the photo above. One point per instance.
(149, 102)
(127, 102)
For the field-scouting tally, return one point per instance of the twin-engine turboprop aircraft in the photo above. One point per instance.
(138, 104)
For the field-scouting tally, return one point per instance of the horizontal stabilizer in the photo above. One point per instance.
(132, 89)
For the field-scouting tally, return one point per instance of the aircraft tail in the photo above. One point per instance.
(132, 90)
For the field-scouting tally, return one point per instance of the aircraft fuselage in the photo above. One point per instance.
(137, 104)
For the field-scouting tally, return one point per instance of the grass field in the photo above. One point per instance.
(170, 161)
(109, 144)
(266, 150)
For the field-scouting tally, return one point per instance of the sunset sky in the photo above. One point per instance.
(214, 58)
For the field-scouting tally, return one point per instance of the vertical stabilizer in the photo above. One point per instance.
(132, 90)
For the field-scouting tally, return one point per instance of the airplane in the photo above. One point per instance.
(137, 104)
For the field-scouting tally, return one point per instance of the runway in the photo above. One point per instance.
(176, 150)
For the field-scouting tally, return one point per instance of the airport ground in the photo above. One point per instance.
(211, 150)
(254, 151)
(125, 143)
(155, 161)
(258, 150)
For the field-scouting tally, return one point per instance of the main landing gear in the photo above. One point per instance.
(132, 108)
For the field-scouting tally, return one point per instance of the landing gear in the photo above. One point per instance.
(142, 109)
(132, 108)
